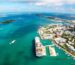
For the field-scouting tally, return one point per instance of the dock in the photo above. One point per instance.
(52, 51)
(39, 48)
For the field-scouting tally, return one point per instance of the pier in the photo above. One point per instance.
(51, 49)
(41, 50)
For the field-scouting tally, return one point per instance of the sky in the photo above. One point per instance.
(38, 6)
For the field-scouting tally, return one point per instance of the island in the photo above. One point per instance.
(57, 19)
(7, 21)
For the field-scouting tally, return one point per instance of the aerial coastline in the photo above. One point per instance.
(63, 36)
(37, 32)
(17, 42)
(58, 19)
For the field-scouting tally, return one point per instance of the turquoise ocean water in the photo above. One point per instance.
(24, 30)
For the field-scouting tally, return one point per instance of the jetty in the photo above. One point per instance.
(52, 51)
(39, 48)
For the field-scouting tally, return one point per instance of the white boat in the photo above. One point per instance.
(12, 42)
(40, 49)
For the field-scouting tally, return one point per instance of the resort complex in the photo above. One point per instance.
(62, 36)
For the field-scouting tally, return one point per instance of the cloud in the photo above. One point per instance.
(70, 1)
(48, 3)
(55, 2)
(40, 3)
(37, 6)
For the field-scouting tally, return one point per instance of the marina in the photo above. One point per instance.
(41, 50)
(57, 33)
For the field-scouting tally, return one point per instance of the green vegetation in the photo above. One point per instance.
(7, 22)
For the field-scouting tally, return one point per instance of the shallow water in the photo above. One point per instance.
(24, 30)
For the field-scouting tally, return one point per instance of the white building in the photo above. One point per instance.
(70, 47)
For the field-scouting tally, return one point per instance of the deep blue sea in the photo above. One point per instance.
(23, 30)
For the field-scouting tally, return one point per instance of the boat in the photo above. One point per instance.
(39, 48)
(12, 42)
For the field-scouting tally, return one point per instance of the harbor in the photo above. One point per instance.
(18, 41)
(57, 34)
(41, 50)
(37, 32)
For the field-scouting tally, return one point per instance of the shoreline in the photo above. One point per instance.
(43, 36)
(63, 49)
